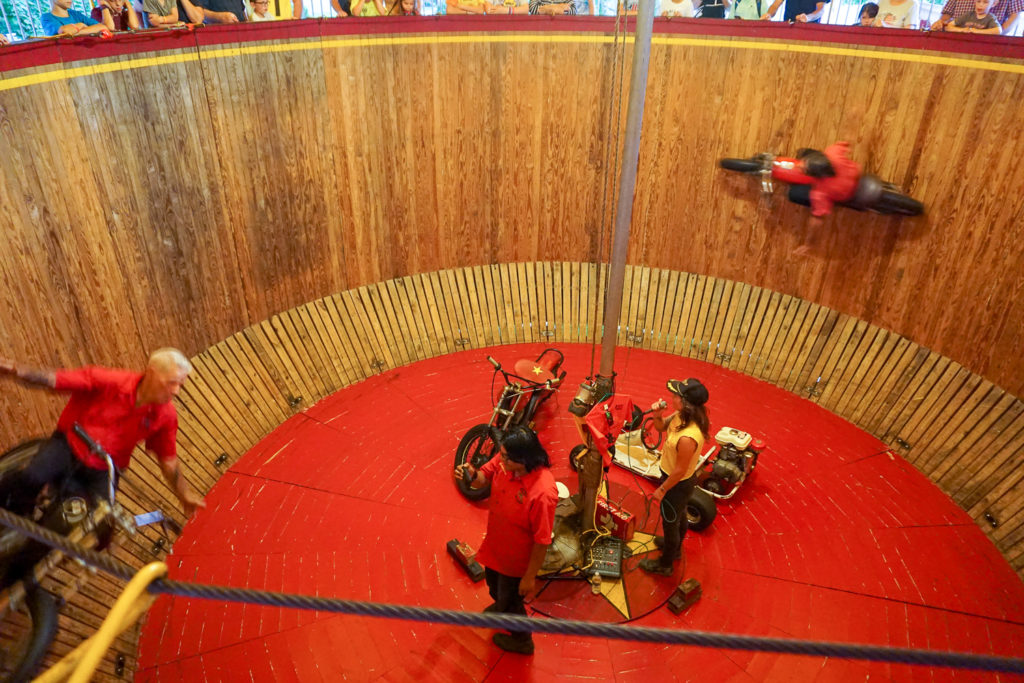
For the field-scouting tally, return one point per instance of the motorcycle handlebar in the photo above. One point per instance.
(496, 364)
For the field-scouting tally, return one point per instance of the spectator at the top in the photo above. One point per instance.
(552, 7)
(406, 8)
(897, 14)
(978, 20)
(221, 11)
(165, 13)
(342, 8)
(672, 8)
(465, 6)
(261, 11)
(118, 15)
(747, 9)
(62, 20)
(1006, 13)
(868, 12)
(710, 9)
(799, 11)
(507, 7)
(3, 40)
(369, 8)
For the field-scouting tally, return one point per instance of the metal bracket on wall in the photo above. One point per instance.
(461, 341)
(815, 389)
(293, 401)
(119, 666)
(902, 444)
(991, 519)
(724, 357)
(635, 338)
(220, 460)
(377, 365)
(158, 546)
(547, 333)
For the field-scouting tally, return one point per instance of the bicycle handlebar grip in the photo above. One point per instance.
(496, 364)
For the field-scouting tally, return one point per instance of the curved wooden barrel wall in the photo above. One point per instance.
(302, 212)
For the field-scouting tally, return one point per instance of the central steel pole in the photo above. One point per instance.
(627, 187)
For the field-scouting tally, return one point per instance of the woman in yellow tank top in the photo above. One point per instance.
(686, 431)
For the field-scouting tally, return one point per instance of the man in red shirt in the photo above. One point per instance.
(520, 519)
(117, 408)
(835, 177)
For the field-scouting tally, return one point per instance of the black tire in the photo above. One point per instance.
(700, 510)
(897, 203)
(741, 165)
(574, 453)
(476, 448)
(11, 542)
(650, 437)
(21, 661)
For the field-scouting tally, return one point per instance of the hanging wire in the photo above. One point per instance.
(727, 641)
(612, 150)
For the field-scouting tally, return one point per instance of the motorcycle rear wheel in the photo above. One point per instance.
(476, 448)
(897, 203)
(740, 165)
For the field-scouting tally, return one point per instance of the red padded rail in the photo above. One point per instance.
(70, 50)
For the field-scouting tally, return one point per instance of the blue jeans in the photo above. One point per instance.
(673, 519)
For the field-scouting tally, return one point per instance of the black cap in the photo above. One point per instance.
(690, 390)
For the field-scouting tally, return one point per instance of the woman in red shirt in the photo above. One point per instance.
(521, 517)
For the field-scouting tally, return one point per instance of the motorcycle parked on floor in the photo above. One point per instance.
(525, 390)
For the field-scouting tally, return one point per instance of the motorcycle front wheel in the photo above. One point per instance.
(476, 448)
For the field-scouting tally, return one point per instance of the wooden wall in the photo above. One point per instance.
(960, 429)
(161, 206)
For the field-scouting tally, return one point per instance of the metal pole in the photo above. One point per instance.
(627, 184)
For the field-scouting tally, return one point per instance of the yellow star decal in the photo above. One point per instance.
(537, 370)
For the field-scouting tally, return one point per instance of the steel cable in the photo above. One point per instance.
(726, 641)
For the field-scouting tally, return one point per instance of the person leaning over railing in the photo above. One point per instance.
(165, 13)
(799, 11)
(261, 11)
(1005, 13)
(897, 14)
(507, 7)
(368, 8)
(62, 20)
(552, 7)
(978, 20)
(117, 15)
(868, 12)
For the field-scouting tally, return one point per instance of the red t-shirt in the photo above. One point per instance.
(103, 403)
(522, 512)
(826, 191)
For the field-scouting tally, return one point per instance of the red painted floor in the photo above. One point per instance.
(832, 539)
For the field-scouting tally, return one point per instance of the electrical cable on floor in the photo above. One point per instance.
(878, 653)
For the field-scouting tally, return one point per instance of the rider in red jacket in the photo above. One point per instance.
(835, 176)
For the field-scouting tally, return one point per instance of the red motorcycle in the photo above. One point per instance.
(532, 383)
(872, 194)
